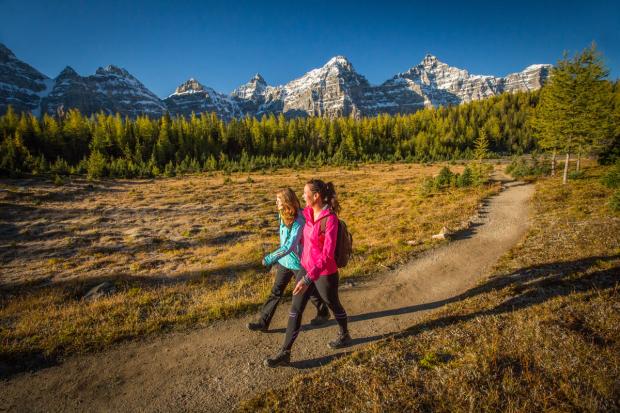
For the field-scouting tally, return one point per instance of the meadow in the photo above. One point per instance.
(540, 334)
(181, 252)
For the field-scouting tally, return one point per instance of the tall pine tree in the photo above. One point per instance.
(574, 110)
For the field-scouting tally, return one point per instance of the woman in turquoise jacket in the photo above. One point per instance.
(286, 260)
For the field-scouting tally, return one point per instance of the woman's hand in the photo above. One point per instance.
(300, 288)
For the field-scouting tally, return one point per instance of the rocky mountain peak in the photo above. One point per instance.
(430, 61)
(189, 86)
(258, 79)
(537, 67)
(334, 89)
(111, 69)
(67, 72)
(339, 62)
(21, 85)
(5, 52)
(254, 89)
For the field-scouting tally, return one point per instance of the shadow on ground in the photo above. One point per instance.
(530, 286)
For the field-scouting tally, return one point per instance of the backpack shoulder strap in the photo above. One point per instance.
(324, 220)
(324, 223)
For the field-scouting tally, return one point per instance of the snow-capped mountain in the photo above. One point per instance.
(254, 89)
(110, 89)
(191, 96)
(531, 78)
(256, 98)
(441, 84)
(336, 89)
(124, 93)
(21, 85)
(332, 90)
(327, 91)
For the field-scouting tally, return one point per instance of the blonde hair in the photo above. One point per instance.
(290, 206)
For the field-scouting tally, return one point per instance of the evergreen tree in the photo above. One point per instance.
(481, 146)
(574, 110)
(150, 147)
(164, 150)
(595, 103)
(97, 165)
(15, 159)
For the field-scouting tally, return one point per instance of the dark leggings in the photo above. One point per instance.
(283, 276)
(327, 287)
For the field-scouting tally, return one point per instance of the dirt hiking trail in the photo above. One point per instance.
(212, 368)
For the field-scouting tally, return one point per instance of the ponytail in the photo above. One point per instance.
(327, 191)
(331, 198)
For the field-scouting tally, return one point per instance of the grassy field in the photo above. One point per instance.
(541, 334)
(183, 251)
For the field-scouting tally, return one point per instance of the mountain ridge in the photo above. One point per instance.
(332, 90)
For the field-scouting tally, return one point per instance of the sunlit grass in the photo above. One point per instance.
(186, 251)
(539, 335)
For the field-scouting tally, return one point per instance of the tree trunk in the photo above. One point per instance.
(565, 178)
(578, 161)
(553, 162)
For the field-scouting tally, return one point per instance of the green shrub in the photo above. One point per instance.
(60, 167)
(444, 179)
(576, 175)
(81, 167)
(427, 187)
(612, 178)
(480, 173)
(169, 170)
(39, 165)
(466, 178)
(614, 201)
(97, 165)
(58, 181)
(521, 167)
(475, 175)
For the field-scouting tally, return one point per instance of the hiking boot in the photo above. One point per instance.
(343, 340)
(257, 326)
(283, 358)
(320, 319)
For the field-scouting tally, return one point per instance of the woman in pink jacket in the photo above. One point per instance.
(319, 245)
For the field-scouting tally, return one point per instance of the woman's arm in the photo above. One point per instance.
(293, 239)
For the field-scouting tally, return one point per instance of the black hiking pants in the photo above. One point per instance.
(283, 277)
(327, 288)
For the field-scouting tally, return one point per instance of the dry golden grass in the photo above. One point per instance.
(182, 251)
(540, 335)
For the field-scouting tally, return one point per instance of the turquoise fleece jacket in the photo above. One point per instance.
(289, 253)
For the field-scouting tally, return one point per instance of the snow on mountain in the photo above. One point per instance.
(332, 90)
(254, 89)
(21, 85)
(192, 97)
(441, 84)
(335, 89)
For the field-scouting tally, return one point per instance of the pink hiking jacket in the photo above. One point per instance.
(319, 248)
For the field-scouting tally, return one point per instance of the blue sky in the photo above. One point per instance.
(222, 44)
